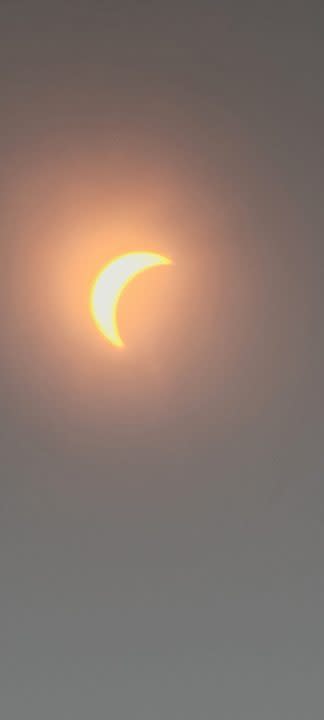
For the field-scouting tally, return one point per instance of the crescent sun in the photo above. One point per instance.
(110, 284)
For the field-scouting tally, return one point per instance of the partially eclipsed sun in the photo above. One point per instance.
(110, 284)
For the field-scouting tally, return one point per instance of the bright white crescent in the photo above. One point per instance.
(109, 285)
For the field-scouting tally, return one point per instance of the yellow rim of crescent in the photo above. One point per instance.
(110, 284)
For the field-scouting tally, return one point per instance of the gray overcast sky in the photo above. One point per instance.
(162, 510)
